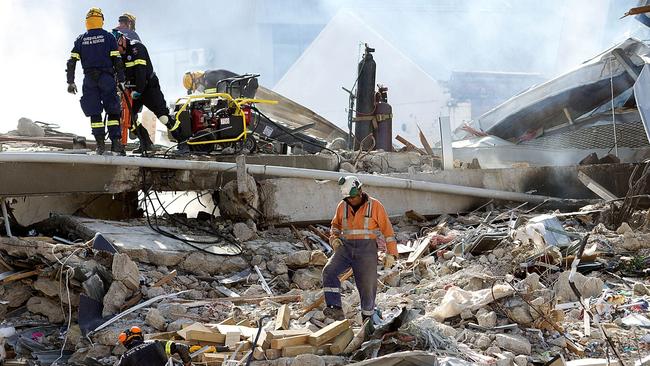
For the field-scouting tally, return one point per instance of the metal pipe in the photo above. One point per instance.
(5, 216)
(269, 170)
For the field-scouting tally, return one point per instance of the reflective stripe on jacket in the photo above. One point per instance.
(369, 220)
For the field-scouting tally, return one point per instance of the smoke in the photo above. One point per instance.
(267, 37)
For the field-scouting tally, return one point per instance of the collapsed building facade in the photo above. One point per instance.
(524, 243)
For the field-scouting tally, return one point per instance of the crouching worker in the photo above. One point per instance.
(353, 236)
(101, 62)
(154, 353)
(145, 91)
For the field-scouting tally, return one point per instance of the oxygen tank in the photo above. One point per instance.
(384, 116)
(365, 99)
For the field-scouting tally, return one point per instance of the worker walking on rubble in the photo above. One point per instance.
(101, 62)
(353, 236)
(155, 353)
(145, 91)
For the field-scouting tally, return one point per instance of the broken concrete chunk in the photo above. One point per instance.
(514, 343)
(308, 360)
(243, 232)
(318, 258)
(115, 297)
(94, 287)
(16, 294)
(47, 286)
(486, 318)
(624, 228)
(178, 324)
(299, 259)
(107, 336)
(198, 262)
(27, 127)
(155, 318)
(588, 287)
(307, 278)
(126, 271)
(277, 267)
(47, 307)
(236, 206)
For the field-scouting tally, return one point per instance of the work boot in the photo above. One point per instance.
(101, 145)
(333, 312)
(182, 149)
(117, 148)
(146, 145)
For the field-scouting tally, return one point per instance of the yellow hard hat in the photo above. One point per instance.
(191, 78)
(94, 12)
(128, 17)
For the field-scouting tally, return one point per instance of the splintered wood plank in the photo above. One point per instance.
(341, 341)
(199, 335)
(329, 332)
(273, 354)
(289, 341)
(293, 351)
(165, 279)
(283, 317)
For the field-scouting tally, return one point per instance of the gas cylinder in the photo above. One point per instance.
(384, 115)
(365, 99)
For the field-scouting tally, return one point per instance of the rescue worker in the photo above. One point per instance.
(206, 82)
(126, 25)
(353, 236)
(101, 62)
(155, 353)
(145, 91)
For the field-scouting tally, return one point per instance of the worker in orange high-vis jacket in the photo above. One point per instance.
(358, 220)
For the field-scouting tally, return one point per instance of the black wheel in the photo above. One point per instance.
(249, 144)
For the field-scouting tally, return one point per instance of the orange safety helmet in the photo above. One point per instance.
(129, 334)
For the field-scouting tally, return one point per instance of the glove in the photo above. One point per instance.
(72, 88)
(121, 86)
(135, 95)
(389, 261)
(336, 243)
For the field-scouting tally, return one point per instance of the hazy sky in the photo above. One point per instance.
(268, 36)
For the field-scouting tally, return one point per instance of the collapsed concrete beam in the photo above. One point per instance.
(266, 170)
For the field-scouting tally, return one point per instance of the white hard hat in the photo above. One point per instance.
(349, 186)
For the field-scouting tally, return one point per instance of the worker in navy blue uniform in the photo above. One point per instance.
(102, 63)
(145, 91)
(153, 353)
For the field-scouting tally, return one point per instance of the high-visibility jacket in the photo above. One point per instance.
(369, 220)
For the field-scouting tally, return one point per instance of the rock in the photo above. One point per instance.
(47, 286)
(94, 287)
(193, 295)
(178, 324)
(514, 343)
(521, 315)
(74, 334)
(243, 232)
(198, 262)
(318, 258)
(347, 167)
(307, 360)
(151, 292)
(171, 310)
(640, 289)
(114, 298)
(492, 350)
(126, 271)
(238, 207)
(531, 283)
(99, 351)
(588, 287)
(559, 341)
(47, 307)
(298, 259)
(27, 127)
(466, 314)
(307, 278)
(624, 228)
(107, 336)
(521, 360)
(277, 267)
(486, 318)
(156, 319)
(16, 294)
(504, 362)
(482, 341)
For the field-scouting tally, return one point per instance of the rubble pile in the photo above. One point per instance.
(494, 286)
